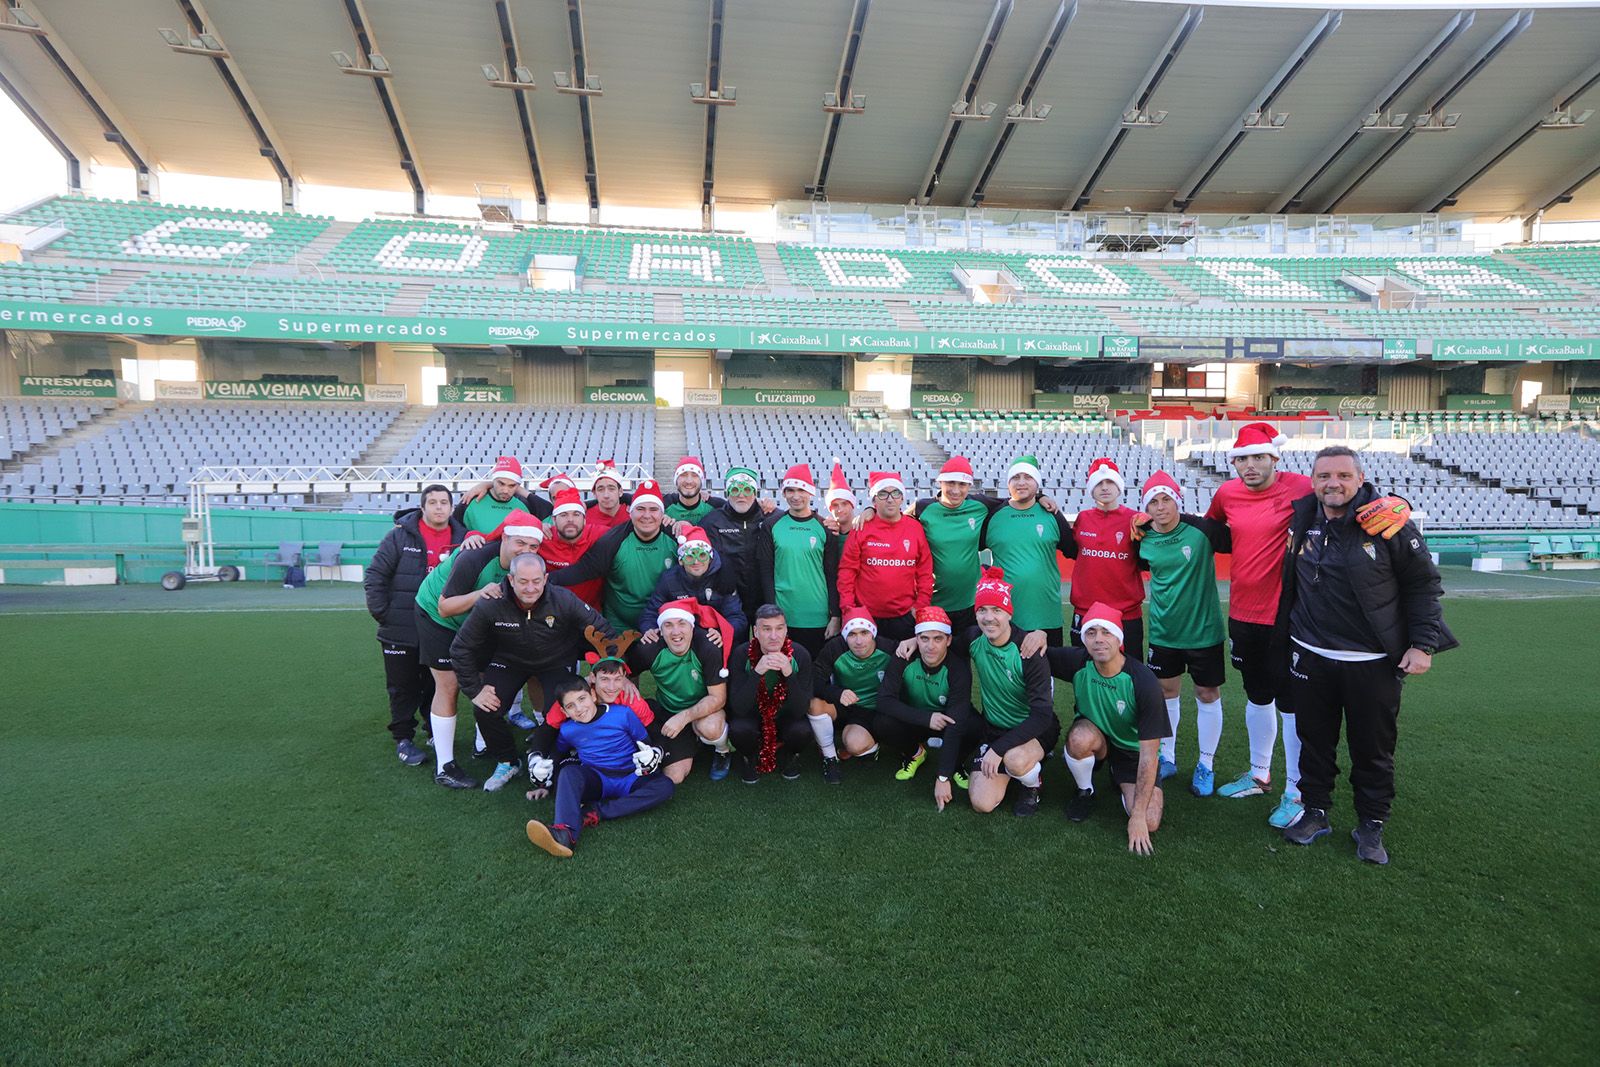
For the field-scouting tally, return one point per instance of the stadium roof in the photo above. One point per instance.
(103, 81)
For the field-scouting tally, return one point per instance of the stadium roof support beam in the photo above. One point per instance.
(1380, 103)
(1475, 64)
(271, 147)
(1564, 191)
(1325, 27)
(580, 76)
(708, 178)
(1515, 138)
(1048, 47)
(847, 73)
(1139, 101)
(969, 93)
(67, 65)
(530, 140)
(360, 25)
(68, 156)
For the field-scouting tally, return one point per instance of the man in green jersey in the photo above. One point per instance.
(797, 563)
(845, 679)
(1186, 623)
(921, 696)
(1018, 723)
(1023, 539)
(1120, 721)
(630, 559)
(688, 505)
(691, 690)
(446, 595)
(481, 512)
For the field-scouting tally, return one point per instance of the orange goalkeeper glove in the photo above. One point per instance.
(1140, 521)
(1385, 515)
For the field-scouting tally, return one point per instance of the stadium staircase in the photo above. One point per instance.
(387, 448)
(1124, 322)
(1336, 327)
(324, 243)
(408, 301)
(1586, 288)
(772, 267)
(124, 412)
(1182, 289)
(669, 307)
(930, 451)
(904, 317)
(671, 445)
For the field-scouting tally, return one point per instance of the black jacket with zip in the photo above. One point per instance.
(547, 636)
(396, 572)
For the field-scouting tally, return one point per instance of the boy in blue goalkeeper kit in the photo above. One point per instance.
(614, 773)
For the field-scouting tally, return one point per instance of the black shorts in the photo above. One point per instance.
(1124, 764)
(1204, 665)
(1047, 740)
(855, 715)
(1260, 659)
(433, 642)
(897, 627)
(809, 638)
(1132, 635)
(963, 619)
(686, 745)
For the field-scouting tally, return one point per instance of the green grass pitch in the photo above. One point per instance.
(210, 855)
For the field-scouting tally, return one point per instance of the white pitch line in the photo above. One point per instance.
(1553, 578)
(170, 611)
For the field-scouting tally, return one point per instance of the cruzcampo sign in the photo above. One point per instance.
(923, 398)
(1452, 348)
(786, 398)
(273, 325)
(1341, 403)
(477, 394)
(619, 394)
(68, 385)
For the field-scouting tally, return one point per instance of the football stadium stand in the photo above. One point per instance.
(177, 289)
(427, 249)
(932, 272)
(151, 456)
(172, 233)
(771, 440)
(1447, 322)
(776, 311)
(1318, 278)
(1015, 318)
(26, 424)
(493, 302)
(566, 436)
(1230, 322)
(1580, 265)
(47, 284)
(1562, 468)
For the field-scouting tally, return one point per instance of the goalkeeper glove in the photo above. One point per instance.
(647, 760)
(1385, 515)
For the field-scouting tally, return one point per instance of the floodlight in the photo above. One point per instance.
(20, 21)
(377, 62)
(490, 73)
(344, 60)
(523, 76)
(171, 37)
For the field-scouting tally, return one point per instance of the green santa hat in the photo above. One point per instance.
(741, 476)
(1024, 464)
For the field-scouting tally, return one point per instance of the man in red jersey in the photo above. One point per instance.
(1257, 507)
(573, 534)
(887, 566)
(607, 510)
(1107, 568)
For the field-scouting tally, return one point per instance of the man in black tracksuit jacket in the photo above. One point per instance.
(532, 629)
(733, 536)
(1358, 614)
(391, 580)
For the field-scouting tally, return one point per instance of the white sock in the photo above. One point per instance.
(444, 739)
(1208, 723)
(1169, 744)
(478, 743)
(1261, 723)
(1031, 778)
(720, 743)
(1291, 754)
(1082, 771)
(822, 727)
(873, 751)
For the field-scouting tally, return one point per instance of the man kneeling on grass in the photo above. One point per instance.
(615, 772)
(1121, 721)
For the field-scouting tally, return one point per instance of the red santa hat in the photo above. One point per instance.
(956, 469)
(508, 468)
(799, 477)
(519, 524)
(1102, 614)
(1256, 439)
(677, 609)
(691, 465)
(649, 491)
(931, 618)
(606, 468)
(556, 481)
(838, 485)
(858, 619)
(993, 590)
(568, 499)
(1104, 470)
(690, 538)
(883, 482)
(1158, 483)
